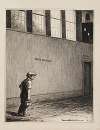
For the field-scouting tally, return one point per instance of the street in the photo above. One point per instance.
(62, 110)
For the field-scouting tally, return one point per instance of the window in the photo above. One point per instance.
(87, 32)
(18, 20)
(70, 25)
(38, 22)
(56, 23)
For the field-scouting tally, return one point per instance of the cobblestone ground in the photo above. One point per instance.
(71, 109)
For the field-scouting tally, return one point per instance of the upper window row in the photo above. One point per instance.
(54, 23)
(69, 24)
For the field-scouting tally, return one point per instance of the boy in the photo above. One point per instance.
(25, 96)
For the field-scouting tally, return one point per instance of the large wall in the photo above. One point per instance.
(57, 62)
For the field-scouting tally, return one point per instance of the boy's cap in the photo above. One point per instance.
(31, 74)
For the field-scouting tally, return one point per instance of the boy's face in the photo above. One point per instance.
(32, 77)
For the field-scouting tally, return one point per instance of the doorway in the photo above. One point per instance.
(87, 79)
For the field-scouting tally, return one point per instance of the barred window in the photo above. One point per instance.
(70, 25)
(56, 23)
(38, 22)
(18, 20)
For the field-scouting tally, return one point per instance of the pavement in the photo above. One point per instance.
(62, 110)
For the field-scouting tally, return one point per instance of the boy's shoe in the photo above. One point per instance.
(20, 114)
(26, 114)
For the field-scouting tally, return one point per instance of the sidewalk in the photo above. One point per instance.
(71, 109)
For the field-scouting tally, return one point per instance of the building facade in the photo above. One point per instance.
(55, 44)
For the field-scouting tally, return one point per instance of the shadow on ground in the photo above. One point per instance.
(70, 109)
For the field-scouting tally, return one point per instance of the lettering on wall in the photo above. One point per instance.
(43, 59)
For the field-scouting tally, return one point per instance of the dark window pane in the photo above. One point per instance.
(87, 16)
(47, 22)
(87, 32)
(63, 24)
(29, 20)
(78, 25)
(8, 18)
